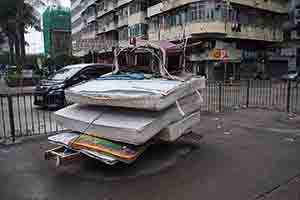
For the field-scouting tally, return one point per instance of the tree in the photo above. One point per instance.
(15, 17)
(29, 19)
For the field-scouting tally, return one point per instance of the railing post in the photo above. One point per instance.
(220, 97)
(248, 93)
(11, 118)
(288, 100)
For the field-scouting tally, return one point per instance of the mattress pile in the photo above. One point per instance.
(116, 119)
(147, 94)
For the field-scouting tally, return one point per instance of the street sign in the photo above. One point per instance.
(225, 58)
(216, 54)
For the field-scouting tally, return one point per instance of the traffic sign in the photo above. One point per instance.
(225, 58)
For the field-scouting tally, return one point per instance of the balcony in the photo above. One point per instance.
(137, 18)
(252, 32)
(122, 22)
(163, 7)
(110, 7)
(75, 3)
(91, 18)
(77, 28)
(123, 2)
(106, 28)
(176, 32)
(87, 3)
(76, 17)
(274, 6)
(88, 34)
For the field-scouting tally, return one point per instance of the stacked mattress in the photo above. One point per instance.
(110, 116)
(154, 94)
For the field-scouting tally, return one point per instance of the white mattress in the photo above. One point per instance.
(124, 125)
(177, 129)
(154, 94)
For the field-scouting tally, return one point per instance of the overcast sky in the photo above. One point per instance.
(35, 39)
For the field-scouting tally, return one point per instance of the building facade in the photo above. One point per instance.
(233, 37)
(288, 52)
(57, 31)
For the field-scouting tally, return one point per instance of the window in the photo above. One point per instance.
(287, 35)
(194, 13)
(154, 25)
(138, 30)
(123, 34)
(137, 7)
(101, 6)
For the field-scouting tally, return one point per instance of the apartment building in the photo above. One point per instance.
(233, 36)
(287, 54)
(99, 26)
(235, 33)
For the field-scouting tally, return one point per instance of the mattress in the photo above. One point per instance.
(130, 126)
(177, 129)
(153, 94)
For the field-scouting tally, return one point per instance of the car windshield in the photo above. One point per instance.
(65, 73)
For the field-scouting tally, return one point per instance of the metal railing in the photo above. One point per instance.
(19, 117)
(220, 96)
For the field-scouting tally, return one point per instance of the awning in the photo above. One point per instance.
(166, 45)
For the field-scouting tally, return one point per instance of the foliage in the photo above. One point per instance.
(13, 76)
(15, 17)
(61, 61)
(4, 58)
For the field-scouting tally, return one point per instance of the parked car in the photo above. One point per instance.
(50, 92)
(291, 76)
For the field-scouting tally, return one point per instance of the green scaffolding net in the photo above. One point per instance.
(55, 20)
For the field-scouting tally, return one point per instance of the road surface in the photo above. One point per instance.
(243, 155)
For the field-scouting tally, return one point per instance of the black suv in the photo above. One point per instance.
(50, 92)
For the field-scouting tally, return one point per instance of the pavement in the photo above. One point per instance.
(240, 155)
